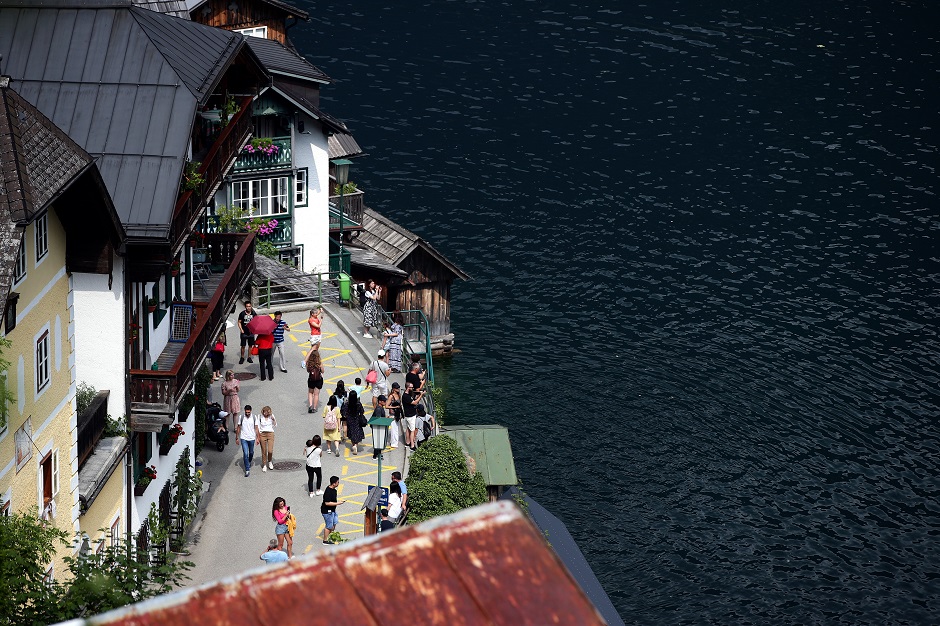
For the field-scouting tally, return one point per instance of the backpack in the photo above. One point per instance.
(329, 420)
(360, 288)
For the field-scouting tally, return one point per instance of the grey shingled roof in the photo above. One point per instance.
(37, 161)
(343, 145)
(277, 59)
(176, 8)
(395, 243)
(296, 96)
(124, 83)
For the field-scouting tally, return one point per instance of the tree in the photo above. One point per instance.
(96, 581)
(439, 481)
(27, 546)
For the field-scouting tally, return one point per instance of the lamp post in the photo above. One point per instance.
(379, 438)
(341, 167)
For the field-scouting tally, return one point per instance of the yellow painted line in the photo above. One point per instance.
(345, 469)
(309, 548)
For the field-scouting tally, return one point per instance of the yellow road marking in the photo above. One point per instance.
(345, 468)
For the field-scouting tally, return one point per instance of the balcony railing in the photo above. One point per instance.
(258, 160)
(214, 165)
(283, 235)
(91, 426)
(352, 209)
(155, 393)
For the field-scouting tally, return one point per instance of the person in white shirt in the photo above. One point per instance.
(314, 455)
(266, 425)
(248, 432)
(394, 501)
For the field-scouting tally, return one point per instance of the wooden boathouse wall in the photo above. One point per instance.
(243, 14)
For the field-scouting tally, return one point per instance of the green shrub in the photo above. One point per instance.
(439, 481)
(84, 394)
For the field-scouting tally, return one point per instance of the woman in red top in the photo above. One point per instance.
(265, 345)
(315, 320)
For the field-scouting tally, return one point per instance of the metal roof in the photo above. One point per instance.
(369, 259)
(277, 59)
(396, 242)
(343, 145)
(484, 565)
(124, 83)
(489, 447)
(296, 97)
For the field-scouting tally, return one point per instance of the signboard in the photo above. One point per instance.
(383, 499)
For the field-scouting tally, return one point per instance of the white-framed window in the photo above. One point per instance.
(5, 509)
(265, 196)
(257, 31)
(19, 270)
(42, 361)
(55, 472)
(300, 188)
(41, 228)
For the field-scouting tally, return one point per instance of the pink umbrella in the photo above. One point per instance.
(262, 325)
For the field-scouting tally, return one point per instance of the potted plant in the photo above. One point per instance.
(175, 268)
(147, 476)
(172, 436)
(197, 239)
(191, 176)
(151, 304)
(133, 332)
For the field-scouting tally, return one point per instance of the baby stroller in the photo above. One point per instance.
(215, 426)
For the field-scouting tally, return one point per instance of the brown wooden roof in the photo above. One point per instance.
(485, 565)
(395, 242)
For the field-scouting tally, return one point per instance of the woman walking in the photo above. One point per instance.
(314, 380)
(281, 514)
(230, 401)
(315, 321)
(393, 338)
(217, 356)
(370, 310)
(267, 423)
(354, 414)
(340, 394)
(393, 408)
(314, 456)
(331, 425)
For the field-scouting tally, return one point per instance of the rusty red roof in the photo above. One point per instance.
(485, 565)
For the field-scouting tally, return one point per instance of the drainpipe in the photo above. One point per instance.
(129, 454)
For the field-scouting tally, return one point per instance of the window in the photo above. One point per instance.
(258, 31)
(115, 532)
(42, 237)
(19, 270)
(5, 509)
(300, 188)
(268, 196)
(9, 316)
(42, 361)
(50, 483)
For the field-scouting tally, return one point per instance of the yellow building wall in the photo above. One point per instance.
(43, 305)
(107, 507)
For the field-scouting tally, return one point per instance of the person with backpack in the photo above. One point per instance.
(377, 376)
(314, 380)
(331, 433)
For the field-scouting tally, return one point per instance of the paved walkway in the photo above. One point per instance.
(235, 524)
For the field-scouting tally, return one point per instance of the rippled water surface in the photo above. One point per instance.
(704, 297)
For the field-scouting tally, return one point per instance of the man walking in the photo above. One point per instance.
(279, 338)
(248, 432)
(246, 337)
(272, 555)
(328, 508)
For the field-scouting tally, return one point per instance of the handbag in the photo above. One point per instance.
(220, 347)
(363, 422)
(372, 377)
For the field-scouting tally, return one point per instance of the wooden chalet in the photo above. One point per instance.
(415, 275)
(268, 19)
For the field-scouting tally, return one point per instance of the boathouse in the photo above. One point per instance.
(415, 276)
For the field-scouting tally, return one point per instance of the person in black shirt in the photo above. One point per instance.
(409, 405)
(415, 376)
(386, 523)
(247, 338)
(328, 508)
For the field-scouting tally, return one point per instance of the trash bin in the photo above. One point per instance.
(343, 287)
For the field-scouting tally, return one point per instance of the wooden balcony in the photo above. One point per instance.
(217, 161)
(156, 393)
(353, 204)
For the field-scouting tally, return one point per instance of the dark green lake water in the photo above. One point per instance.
(705, 275)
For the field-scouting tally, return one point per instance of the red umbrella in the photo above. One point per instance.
(262, 325)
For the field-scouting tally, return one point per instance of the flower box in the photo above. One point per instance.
(165, 447)
(140, 489)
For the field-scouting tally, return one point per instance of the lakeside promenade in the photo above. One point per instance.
(234, 525)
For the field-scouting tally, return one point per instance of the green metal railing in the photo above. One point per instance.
(339, 261)
(257, 160)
